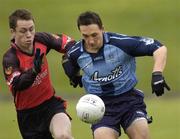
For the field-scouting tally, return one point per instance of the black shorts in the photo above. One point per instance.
(34, 123)
(122, 110)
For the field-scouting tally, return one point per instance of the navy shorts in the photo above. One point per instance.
(34, 123)
(122, 110)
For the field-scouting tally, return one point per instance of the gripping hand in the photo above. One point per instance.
(76, 80)
(38, 61)
(158, 83)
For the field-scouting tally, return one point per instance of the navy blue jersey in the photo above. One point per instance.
(111, 71)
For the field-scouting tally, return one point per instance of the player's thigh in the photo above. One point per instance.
(60, 124)
(105, 133)
(138, 129)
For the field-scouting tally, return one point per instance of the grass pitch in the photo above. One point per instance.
(165, 112)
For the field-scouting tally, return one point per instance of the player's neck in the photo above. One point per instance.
(26, 49)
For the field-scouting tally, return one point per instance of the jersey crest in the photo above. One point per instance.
(9, 70)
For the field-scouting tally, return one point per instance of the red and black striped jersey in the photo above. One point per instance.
(30, 89)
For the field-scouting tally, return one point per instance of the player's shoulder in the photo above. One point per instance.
(10, 52)
(76, 48)
(114, 34)
(117, 36)
(10, 55)
(41, 36)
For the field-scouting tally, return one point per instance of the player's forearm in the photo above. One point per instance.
(160, 56)
(69, 69)
(23, 81)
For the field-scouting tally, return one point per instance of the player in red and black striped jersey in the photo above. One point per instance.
(41, 115)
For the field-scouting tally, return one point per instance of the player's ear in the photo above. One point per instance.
(12, 31)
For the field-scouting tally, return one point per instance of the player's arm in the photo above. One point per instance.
(160, 56)
(142, 46)
(72, 70)
(18, 80)
(59, 42)
(139, 46)
(158, 82)
(153, 47)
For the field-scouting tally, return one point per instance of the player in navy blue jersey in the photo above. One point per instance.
(108, 63)
(40, 114)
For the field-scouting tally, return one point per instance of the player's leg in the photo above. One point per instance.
(60, 126)
(135, 121)
(105, 133)
(138, 129)
(33, 123)
(109, 126)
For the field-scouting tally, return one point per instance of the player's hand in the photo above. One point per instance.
(158, 83)
(38, 61)
(76, 80)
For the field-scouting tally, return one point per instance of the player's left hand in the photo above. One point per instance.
(76, 80)
(158, 83)
(38, 60)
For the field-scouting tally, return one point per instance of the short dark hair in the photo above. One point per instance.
(19, 14)
(89, 17)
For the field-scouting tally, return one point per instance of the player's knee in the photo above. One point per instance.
(139, 135)
(138, 130)
(62, 136)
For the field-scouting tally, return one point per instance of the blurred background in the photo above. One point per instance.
(158, 19)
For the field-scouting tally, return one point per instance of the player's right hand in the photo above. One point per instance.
(38, 61)
(76, 80)
(158, 83)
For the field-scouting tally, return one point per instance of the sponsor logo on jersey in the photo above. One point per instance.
(40, 77)
(114, 74)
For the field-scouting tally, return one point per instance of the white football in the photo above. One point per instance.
(90, 108)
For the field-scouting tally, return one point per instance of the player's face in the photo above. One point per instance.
(93, 37)
(24, 34)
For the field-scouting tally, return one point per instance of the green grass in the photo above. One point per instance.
(165, 112)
